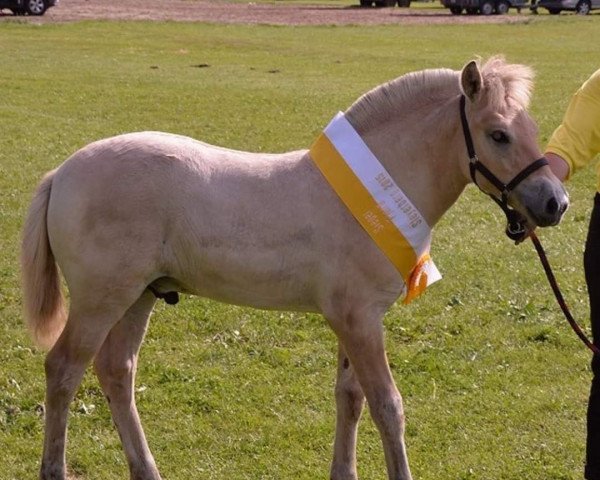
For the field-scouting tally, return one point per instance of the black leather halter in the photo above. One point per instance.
(515, 229)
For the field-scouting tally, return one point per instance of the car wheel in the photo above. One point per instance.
(456, 10)
(486, 7)
(36, 7)
(502, 7)
(583, 7)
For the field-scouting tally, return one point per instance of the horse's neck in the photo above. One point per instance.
(424, 157)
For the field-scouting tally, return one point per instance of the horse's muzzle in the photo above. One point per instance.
(546, 204)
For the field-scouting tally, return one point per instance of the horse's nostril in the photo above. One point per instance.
(552, 206)
(563, 207)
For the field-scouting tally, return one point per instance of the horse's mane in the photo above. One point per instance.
(508, 87)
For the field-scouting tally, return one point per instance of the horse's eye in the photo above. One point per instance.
(499, 136)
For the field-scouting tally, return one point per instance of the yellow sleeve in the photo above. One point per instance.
(577, 138)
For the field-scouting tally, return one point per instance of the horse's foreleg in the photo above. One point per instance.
(362, 338)
(350, 400)
(65, 365)
(115, 366)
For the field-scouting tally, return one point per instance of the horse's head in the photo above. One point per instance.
(504, 140)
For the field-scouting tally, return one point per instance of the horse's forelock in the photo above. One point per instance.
(507, 85)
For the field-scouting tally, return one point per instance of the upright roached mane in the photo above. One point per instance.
(509, 87)
(149, 212)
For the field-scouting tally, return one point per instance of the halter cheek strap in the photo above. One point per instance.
(514, 229)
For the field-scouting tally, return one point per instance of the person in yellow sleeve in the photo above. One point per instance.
(573, 145)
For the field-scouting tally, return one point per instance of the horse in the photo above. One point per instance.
(142, 215)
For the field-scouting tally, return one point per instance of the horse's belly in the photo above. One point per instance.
(266, 281)
(262, 250)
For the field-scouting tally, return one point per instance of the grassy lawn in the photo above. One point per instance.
(494, 382)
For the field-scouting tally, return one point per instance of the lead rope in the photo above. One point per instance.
(559, 298)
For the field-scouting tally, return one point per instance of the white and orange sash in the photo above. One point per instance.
(377, 203)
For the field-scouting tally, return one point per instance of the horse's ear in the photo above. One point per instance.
(471, 81)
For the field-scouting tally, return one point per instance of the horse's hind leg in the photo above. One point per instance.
(115, 366)
(85, 330)
(350, 400)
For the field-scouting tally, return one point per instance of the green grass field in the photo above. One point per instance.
(494, 382)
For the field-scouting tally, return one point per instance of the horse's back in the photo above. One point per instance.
(136, 152)
(159, 165)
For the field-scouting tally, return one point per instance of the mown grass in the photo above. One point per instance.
(494, 382)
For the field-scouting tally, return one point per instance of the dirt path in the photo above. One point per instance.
(223, 11)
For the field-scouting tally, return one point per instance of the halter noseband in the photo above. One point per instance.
(515, 228)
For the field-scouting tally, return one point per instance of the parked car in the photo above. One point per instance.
(484, 7)
(582, 7)
(31, 7)
(384, 3)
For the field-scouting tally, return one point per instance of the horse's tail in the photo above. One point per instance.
(43, 298)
